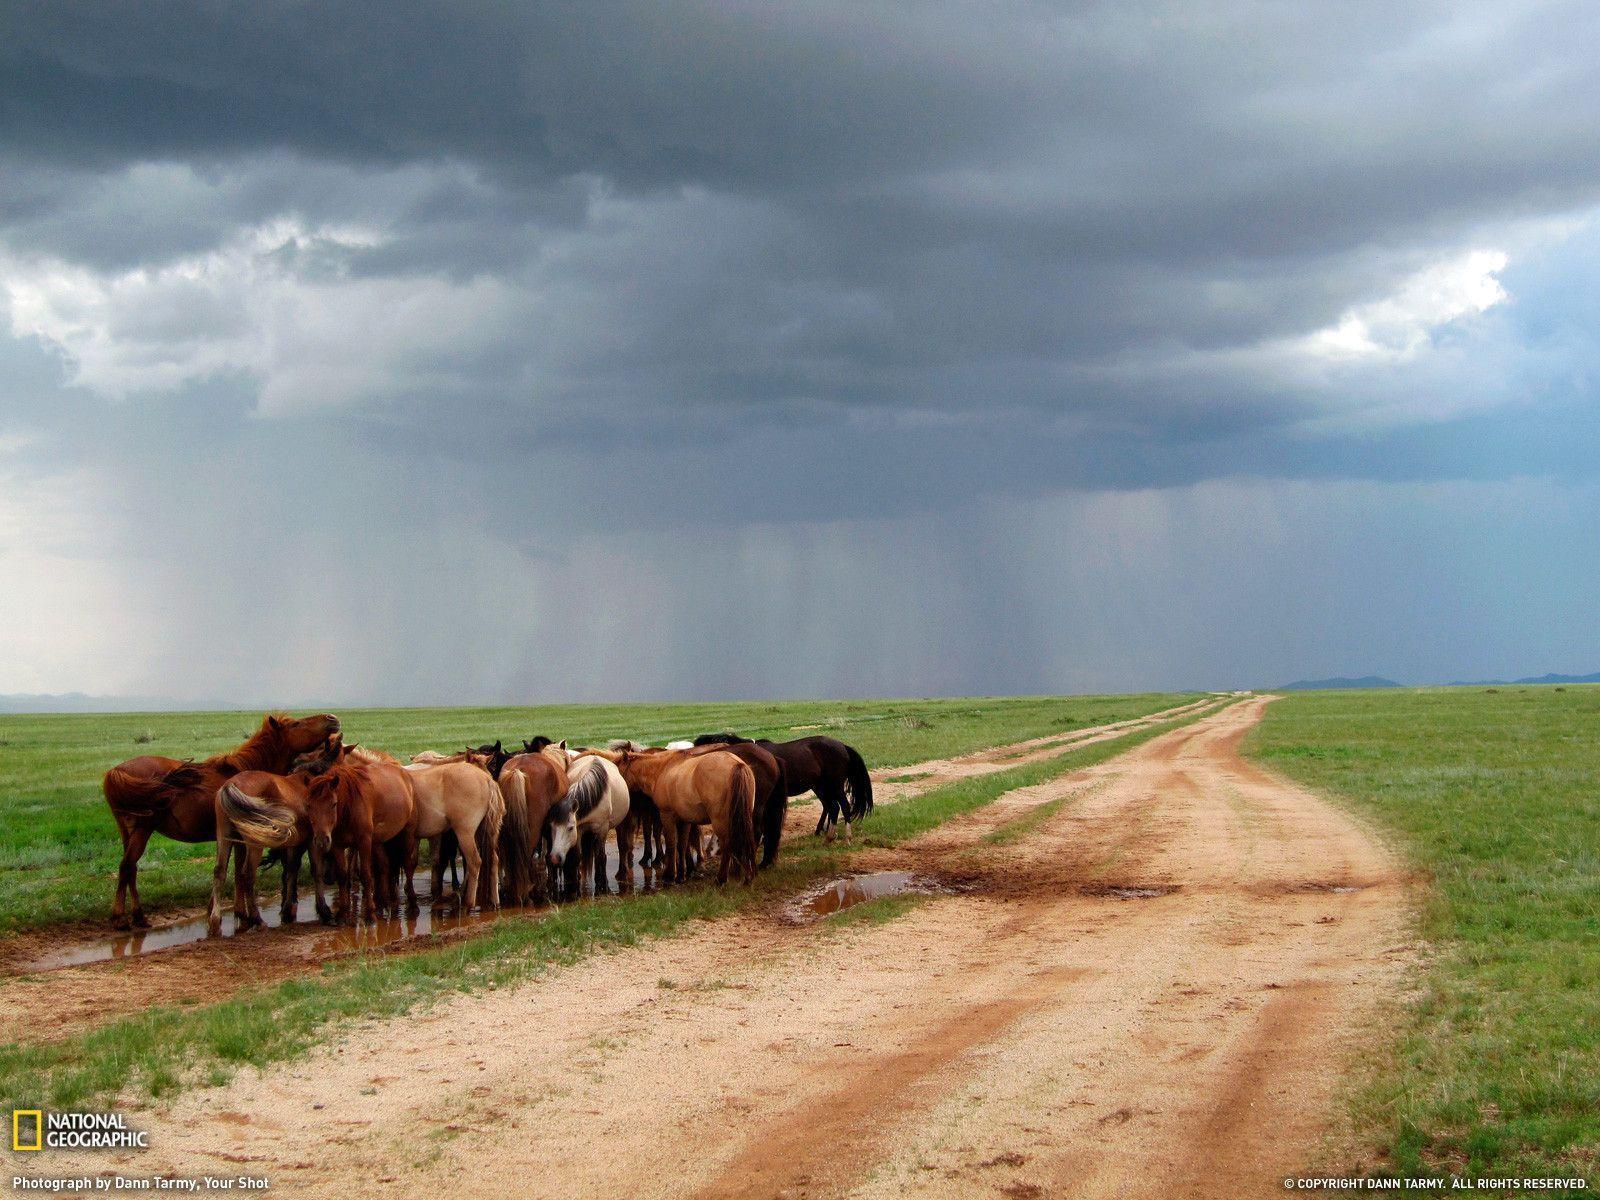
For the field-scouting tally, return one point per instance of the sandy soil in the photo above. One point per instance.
(1030, 1033)
(48, 1005)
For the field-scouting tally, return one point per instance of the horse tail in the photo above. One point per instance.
(777, 808)
(134, 795)
(741, 825)
(488, 839)
(515, 838)
(860, 784)
(257, 821)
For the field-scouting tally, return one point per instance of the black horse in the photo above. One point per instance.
(824, 765)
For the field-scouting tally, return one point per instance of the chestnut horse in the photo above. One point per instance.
(152, 794)
(531, 785)
(691, 788)
(359, 810)
(257, 810)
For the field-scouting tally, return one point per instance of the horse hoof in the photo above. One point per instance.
(121, 923)
(287, 916)
(140, 921)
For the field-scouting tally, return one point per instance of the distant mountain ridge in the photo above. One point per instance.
(1595, 678)
(1338, 682)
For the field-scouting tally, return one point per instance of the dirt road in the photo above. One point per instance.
(1150, 991)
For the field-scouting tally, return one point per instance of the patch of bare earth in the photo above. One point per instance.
(1151, 994)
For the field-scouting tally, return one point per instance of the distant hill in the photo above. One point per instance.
(1595, 678)
(1338, 682)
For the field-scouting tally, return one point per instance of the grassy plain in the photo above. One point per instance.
(59, 849)
(1495, 794)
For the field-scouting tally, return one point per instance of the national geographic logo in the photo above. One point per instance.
(35, 1129)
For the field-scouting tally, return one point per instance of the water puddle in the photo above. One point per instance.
(858, 889)
(331, 939)
(1146, 891)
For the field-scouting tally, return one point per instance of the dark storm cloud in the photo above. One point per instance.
(838, 295)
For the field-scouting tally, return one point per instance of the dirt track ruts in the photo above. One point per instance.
(1029, 1035)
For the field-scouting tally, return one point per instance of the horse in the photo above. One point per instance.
(646, 817)
(356, 808)
(152, 794)
(824, 765)
(257, 810)
(772, 791)
(597, 802)
(459, 795)
(531, 784)
(693, 789)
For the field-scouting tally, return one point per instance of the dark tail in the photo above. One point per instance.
(772, 815)
(146, 795)
(741, 825)
(488, 839)
(516, 840)
(257, 821)
(860, 785)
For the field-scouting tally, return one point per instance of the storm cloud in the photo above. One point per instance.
(520, 351)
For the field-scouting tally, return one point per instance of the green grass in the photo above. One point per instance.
(160, 1051)
(59, 849)
(1496, 795)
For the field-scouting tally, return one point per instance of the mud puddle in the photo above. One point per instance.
(858, 889)
(1131, 891)
(331, 940)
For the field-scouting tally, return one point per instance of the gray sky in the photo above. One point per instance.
(447, 353)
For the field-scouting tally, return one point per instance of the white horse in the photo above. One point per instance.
(596, 804)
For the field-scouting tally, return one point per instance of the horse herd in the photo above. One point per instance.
(528, 826)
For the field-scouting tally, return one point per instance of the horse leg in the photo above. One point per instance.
(134, 840)
(467, 898)
(367, 852)
(252, 862)
(241, 906)
(289, 907)
(837, 806)
(324, 913)
(625, 850)
(412, 908)
(722, 825)
(218, 874)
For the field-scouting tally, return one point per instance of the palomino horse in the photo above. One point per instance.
(356, 809)
(597, 802)
(772, 793)
(692, 788)
(260, 810)
(461, 796)
(152, 794)
(531, 785)
(824, 765)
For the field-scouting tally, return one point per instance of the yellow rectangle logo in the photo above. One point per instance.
(16, 1128)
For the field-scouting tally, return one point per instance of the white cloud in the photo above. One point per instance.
(1402, 325)
(277, 304)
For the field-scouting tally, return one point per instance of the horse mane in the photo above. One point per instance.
(368, 755)
(725, 738)
(586, 792)
(626, 745)
(537, 743)
(254, 753)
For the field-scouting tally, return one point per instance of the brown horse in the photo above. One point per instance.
(691, 788)
(363, 810)
(532, 784)
(152, 794)
(258, 810)
(772, 793)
